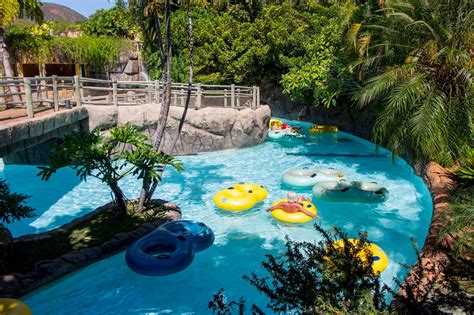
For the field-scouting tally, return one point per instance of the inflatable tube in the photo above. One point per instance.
(380, 258)
(284, 134)
(323, 129)
(350, 191)
(259, 191)
(275, 122)
(200, 234)
(160, 253)
(13, 307)
(297, 217)
(304, 177)
(240, 197)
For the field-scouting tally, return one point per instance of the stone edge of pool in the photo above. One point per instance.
(440, 184)
(16, 285)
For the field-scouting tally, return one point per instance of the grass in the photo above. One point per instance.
(96, 231)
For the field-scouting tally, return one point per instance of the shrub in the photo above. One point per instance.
(12, 205)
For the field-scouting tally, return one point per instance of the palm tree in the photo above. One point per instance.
(150, 13)
(9, 11)
(416, 57)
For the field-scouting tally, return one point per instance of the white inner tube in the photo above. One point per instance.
(304, 177)
(350, 191)
(283, 133)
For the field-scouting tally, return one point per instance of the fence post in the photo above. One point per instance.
(77, 90)
(198, 102)
(175, 98)
(29, 98)
(225, 97)
(182, 97)
(232, 95)
(258, 96)
(148, 95)
(254, 97)
(238, 97)
(114, 93)
(157, 91)
(55, 93)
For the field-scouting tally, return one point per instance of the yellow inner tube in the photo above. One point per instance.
(13, 307)
(323, 129)
(275, 122)
(380, 258)
(297, 217)
(238, 197)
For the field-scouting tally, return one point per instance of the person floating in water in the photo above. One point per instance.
(293, 205)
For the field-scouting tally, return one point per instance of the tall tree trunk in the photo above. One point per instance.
(5, 57)
(166, 62)
(172, 144)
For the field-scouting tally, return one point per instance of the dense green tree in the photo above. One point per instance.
(415, 62)
(115, 22)
(297, 46)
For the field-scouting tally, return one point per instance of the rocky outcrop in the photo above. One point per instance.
(344, 115)
(206, 129)
(16, 284)
(427, 278)
(213, 129)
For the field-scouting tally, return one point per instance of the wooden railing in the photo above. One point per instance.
(54, 92)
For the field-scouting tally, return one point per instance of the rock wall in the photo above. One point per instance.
(434, 258)
(345, 116)
(207, 129)
(25, 141)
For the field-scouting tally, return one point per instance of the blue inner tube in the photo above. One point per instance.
(160, 253)
(200, 234)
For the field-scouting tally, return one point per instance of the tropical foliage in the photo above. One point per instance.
(414, 57)
(12, 205)
(297, 46)
(125, 151)
(36, 42)
(115, 22)
(10, 10)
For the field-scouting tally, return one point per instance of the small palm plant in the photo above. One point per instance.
(414, 57)
(125, 151)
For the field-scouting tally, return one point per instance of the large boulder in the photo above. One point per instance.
(101, 117)
(204, 130)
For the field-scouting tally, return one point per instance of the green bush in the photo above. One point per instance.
(114, 22)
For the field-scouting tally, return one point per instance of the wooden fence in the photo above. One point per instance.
(53, 92)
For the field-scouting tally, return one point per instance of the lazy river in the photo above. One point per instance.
(242, 238)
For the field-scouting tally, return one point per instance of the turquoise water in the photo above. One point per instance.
(242, 239)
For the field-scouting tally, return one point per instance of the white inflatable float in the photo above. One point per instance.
(350, 191)
(284, 133)
(304, 177)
